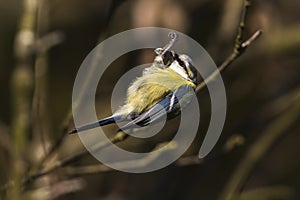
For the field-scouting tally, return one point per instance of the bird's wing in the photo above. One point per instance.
(163, 107)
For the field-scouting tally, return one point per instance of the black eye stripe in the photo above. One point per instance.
(180, 62)
(170, 56)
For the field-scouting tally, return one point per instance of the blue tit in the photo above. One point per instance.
(163, 87)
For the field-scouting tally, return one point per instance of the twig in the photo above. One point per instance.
(130, 164)
(117, 138)
(65, 125)
(49, 40)
(63, 132)
(57, 190)
(269, 136)
(238, 50)
(99, 168)
(181, 162)
(40, 117)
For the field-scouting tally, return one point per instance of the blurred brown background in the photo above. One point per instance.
(262, 88)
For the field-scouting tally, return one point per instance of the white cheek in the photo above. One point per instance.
(176, 67)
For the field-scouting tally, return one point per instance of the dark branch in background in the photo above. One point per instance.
(44, 42)
(117, 138)
(63, 130)
(57, 191)
(21, 94)
(239, 49)
(68, 119)
(232, 143)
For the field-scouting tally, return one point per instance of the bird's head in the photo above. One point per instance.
(181, 64)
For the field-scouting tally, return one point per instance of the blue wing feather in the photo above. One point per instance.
(163, 107)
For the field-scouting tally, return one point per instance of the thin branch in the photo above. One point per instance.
(40, 119)
(44, 42)
(70, 160)
(57, 190)
(66, 123)
(231, 144)
(238, 50)
(63, 133)
(130, 164)
(49, 40)
(251, 39)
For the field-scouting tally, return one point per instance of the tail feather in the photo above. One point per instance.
(102, 122)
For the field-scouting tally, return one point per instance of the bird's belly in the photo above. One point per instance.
(146, 97)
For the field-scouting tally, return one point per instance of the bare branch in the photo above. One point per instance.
(231, 144)
(50, 40)
(251, 39)
(70, 160)
(66, 123)
(130, 164)
(238, 50)
(57, 190)
(21, 90)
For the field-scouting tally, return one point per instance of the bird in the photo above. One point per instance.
(164, 88)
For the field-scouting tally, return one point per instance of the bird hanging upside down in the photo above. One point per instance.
(164, 88)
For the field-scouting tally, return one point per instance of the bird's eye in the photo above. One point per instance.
(168, 58)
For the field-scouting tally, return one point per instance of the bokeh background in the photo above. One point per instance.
(43, 44)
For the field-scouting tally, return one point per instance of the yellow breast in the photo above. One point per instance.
(147, 90)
